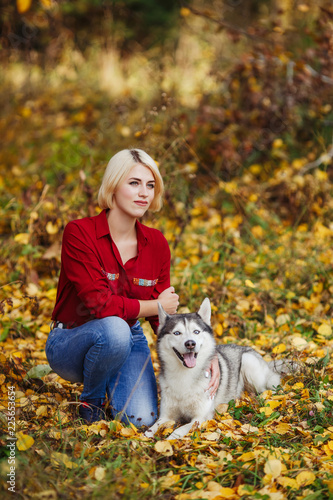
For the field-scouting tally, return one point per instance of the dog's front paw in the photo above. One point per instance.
(176, 435)
(149, 433)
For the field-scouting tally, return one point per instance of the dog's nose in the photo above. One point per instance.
(190, 344)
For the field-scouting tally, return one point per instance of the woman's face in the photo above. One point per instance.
(136, 192)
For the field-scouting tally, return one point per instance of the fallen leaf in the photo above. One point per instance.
(23, 5)
(164, 447)
(58, 459)
(305, 478)
(273, 468)
(24, 441)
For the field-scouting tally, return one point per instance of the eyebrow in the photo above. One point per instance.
(140, 180)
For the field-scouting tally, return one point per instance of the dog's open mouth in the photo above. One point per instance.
(188, 359)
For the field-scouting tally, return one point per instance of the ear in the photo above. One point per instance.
(205, 311)
(162, 316)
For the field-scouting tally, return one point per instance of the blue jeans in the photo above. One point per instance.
(111, 358)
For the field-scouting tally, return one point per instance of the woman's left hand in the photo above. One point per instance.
(215, 377)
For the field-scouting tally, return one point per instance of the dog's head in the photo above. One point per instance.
(185, 335)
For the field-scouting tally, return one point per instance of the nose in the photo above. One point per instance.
(190, 344)
(143, 191)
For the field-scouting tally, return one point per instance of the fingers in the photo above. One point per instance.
(169, 300)
(215, 377)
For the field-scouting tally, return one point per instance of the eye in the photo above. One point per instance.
(176, 332)
(151, 186)
(134, 183)
(196, 332)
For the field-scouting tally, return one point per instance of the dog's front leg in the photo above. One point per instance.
(154, 428)
(184, 429)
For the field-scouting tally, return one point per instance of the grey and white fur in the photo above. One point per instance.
(186, 347)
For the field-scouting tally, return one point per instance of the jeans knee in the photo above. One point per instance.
(115, 335)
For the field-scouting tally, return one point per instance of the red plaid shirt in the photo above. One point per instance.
(93, 281)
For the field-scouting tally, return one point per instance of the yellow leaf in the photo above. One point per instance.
(318, 287)
(42, 411)
(248, 429)
(58, 459)
(45, 329)
(99, 473)
(330, 445)
(282, 428)
(255, 169)
(288, 482)
(51, 294)
(18, 355)
(211, 436)
(227, 493)
(266, 410)
(305, 478)
(302, 7)
(282, 319)
(22, 238)
(278, 349)
(221, 492)
(164, 447)
(170, 479)
(247, 457)
(269, 320)
(257, 231)
(277, 143)
(127, 432)
(219, 330)
(23, 5)
(298, 385)
(24, 442)
(185, 12)
(216, 257)
(273, 404)
(273, 468)
(32, 289)
(47, 4)
(325, 330)
(299, 343)
(249, 284)
(52, 228)
(243, 305)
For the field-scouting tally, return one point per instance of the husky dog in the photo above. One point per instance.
(185, 347)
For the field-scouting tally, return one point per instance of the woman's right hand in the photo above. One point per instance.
(169, 300)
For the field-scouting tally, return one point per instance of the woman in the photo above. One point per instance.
(114, 271)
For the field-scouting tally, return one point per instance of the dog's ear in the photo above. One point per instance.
(162, 316)
(205, 311)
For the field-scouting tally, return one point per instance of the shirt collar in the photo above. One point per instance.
(102, 228)
(142, 234)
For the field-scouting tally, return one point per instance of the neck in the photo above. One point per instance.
(121, 226)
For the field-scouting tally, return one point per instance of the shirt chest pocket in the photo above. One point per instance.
(143, 288)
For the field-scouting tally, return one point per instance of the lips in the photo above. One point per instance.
(141, 203)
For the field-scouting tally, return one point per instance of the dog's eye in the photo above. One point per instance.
(176, 332)
(196, 332)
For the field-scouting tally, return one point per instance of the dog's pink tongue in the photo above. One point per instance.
(189, 359)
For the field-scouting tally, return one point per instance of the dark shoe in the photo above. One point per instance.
(92, 410)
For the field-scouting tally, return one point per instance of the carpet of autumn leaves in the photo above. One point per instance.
(248, 217)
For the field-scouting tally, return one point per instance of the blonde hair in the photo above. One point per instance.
(117, 170)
